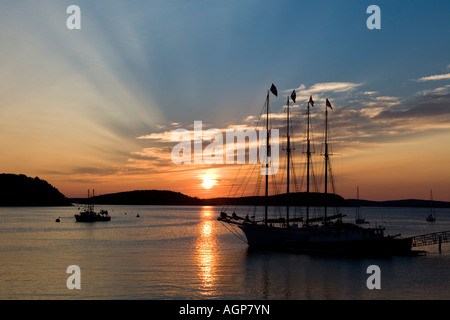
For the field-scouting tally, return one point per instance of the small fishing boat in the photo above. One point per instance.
(90, 215)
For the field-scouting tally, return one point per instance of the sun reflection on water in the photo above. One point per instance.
(206, 252)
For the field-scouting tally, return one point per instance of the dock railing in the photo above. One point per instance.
(430, 238)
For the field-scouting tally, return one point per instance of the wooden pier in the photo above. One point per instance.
(430, 239)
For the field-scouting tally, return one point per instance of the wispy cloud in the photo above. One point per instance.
(333, 87)
(436, 91)
(325, 87)
(434, 77)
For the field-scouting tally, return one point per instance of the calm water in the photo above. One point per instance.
(184, 253)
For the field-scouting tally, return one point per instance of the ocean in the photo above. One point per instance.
(184, 253)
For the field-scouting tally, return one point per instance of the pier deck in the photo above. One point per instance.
(430, 238)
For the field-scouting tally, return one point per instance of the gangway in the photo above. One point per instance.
(430, 238)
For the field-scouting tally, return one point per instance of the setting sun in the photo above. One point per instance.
(208, 182)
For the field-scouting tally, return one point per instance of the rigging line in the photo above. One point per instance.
(234, 183)
(231, 229)
(276, 191)
(250, 175)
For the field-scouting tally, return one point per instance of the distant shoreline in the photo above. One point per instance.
(18, 190)
(165, 197)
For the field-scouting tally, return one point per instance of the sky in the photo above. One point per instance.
(96, 107)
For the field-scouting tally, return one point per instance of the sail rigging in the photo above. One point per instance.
(332, 235)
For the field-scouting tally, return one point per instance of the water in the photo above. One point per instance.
(173, 252)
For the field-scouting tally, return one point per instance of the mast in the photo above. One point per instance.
(327, 156)
(326, 162)
(267, 159)
(357, 207)
(273, 89)
(89, 205)
(308, 160)
(288, 151)
(431, 204)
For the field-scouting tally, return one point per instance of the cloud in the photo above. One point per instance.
(436, 91)
(360, 119)
(165, 136)
(434, 77)
(333, 87)
(378, 104)
(340, 90)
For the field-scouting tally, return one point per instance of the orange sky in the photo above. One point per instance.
(95, 108)
(407, 168)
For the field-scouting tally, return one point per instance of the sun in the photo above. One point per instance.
(208, 182)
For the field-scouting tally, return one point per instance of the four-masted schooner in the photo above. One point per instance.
(328, 234)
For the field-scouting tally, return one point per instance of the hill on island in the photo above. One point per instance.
(145, 197)
(164, 197)
(20, 190)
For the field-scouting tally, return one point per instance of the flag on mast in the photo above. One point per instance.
(311, 101)
(329, 104)
(273, 89)
(293, 96)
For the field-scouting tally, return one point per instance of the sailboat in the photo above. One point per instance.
(432, 216)
(90, 215)
(323, 235)
(358, 219)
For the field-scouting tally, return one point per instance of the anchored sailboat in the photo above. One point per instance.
(328, 234)
(358, 219)
(432, 216)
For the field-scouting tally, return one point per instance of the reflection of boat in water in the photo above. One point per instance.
(327, 234)
(90, 215)
(432, 216)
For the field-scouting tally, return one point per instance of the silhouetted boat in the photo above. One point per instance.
(90, 215)
(322, 235)
(359, 219)
(432, 216)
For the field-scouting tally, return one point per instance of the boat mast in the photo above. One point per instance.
(288, 151)
(89, 205)
(357, 198)
(326, 163)
(308, 161)
(327, 157)
(433, 213)
(267, 159)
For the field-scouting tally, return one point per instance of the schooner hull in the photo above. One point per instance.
(324, 241)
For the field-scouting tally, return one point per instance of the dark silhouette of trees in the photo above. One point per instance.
(20, 190)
